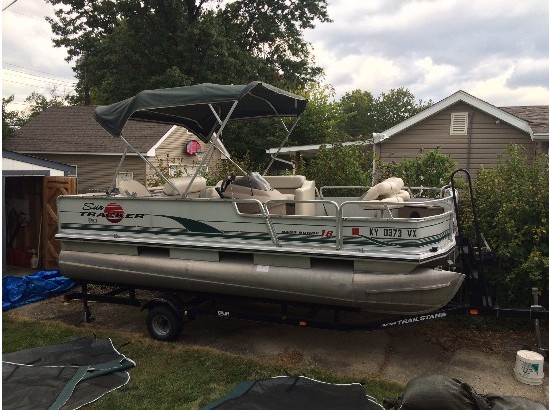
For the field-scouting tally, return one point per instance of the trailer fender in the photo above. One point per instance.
(170, 299)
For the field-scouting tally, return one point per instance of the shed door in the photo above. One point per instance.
(52, 188)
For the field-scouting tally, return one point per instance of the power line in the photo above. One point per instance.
(30, 85)
(9, 5)
(37, 76)
(28, 69)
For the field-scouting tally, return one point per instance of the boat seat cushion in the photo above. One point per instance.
(305, 193)
(199, 184)
(286, 184)
(133, 188)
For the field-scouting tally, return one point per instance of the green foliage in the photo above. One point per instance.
(512, 209)
(322, 119)
(367, 114)
(169, 167)
(122, 47)
(319, 123)
(341, 165)
(224, 168)
(429, 170)
(11, 120)
(39, 102)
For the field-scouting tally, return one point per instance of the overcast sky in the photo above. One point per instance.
(496, 50)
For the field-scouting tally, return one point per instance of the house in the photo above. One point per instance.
(469, 130)
(70, 135)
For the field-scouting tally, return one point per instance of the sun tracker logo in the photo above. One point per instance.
(113, 212)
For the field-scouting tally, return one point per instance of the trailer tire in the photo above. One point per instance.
(163, 323)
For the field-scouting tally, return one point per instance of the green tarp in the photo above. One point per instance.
(64, 376)
(190, 106)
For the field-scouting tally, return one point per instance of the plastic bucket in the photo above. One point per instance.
(529, 367)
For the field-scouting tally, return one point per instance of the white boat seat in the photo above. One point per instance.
(389, 190)
(295, 187)
(199, 184)
(133, 188)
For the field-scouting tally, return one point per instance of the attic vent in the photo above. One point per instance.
(459, 123)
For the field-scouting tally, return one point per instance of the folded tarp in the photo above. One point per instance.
(20, 290)
(299, 393)
(64, 376)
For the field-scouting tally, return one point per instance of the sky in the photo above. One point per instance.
(496, 50)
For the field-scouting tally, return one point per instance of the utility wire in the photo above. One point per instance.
(9, 5)
(26, 75)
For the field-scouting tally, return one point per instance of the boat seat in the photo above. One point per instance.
(389, 190)
(133, 188)
(295, 187)
(199, 184)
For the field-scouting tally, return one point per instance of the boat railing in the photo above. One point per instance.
(415, 191)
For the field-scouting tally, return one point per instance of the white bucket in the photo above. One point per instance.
(529, 367)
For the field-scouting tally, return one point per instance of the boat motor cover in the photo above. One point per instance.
(189, 106)
(295, 393)
(64, 376)
(444, 393)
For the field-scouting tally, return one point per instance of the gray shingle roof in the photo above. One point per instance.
(535, 115)
(72, 129)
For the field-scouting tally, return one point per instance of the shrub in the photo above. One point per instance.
(433, 169)
(512, 208)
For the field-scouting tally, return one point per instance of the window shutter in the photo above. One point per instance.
(459, 123)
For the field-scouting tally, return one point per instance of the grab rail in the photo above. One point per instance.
(265, 214)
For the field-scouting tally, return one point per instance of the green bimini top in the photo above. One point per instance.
(190, 107)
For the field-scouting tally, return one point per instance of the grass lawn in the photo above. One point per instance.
(171, 375)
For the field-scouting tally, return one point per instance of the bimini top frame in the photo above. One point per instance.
(203, 109)
(199, 107)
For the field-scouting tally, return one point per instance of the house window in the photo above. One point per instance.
(459, 123)
(124, 176)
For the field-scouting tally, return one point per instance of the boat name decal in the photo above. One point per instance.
(113, 212)
(323, 233)
(415, 319)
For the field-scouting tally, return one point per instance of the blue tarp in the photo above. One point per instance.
(18, 291)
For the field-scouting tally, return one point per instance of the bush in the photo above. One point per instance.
(340, 165)
(428, 170)
(512, 208)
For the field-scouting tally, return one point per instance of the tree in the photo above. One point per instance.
(359, 107)
(320, 122)
(368, 114)
(341, 165)
(122, 47)
(38, 103)
(11, 120)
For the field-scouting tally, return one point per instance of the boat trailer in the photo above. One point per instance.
(169, 310)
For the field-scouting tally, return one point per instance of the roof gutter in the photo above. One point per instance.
(542, 137)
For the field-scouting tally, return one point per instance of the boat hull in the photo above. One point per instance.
(326, 281)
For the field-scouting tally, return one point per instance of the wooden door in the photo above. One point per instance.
(51, 189)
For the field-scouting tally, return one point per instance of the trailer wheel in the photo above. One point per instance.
(163, 323)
